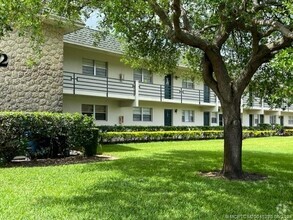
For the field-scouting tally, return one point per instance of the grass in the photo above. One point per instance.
(155, 181)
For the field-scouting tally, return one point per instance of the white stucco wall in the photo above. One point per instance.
(116, 108)
(73, 63)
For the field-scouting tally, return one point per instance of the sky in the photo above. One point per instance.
(92, 21)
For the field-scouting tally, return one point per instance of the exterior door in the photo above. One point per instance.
(251, 120)
(206, 119)
(220, 119)
(168, 86)
(168, 117)
(206, 93)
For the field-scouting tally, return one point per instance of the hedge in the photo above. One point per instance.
(156, 128)
(119, 128)
(143, 136)
(67, 131)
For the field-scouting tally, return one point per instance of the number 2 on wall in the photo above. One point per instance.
(3, 60)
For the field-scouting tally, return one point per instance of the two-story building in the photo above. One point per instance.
(77, 74)
(97, 83)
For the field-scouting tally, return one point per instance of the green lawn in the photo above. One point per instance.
(155, 181)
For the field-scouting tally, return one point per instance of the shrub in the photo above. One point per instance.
(51, 134)
(288, 132)
(261, 133)
(156, 128)
(90, 147)
(143, 136)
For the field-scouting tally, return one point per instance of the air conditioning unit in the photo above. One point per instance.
(121, 120)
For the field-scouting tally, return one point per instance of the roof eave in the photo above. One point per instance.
(93, 47)
(67, 25)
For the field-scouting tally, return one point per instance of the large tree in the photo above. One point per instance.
(234, 38)
(226, 41)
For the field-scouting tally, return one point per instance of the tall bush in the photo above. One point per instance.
(18, 128)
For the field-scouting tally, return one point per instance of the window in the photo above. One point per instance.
(94, 67)
(256, 119)
(88, 66)
(99, 112)
(143, 75)
(290, 120)
(142, 114)
(214, 117)
(87, 110)
(273, 119)
(187, 116)
(259, 119)
(187, 84)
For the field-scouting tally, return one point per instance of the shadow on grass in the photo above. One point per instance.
(166, 186)
(118, 148)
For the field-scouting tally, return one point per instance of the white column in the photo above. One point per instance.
(136, 100)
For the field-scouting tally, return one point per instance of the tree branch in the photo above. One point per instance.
(256, 36)
(225, 28)
(268, 32)
(276, 26)
(208, 74)
(186, 23)
(269, 3)
(280, 44)
(192, 40)
(223, 35)
(264, 55)
(222, 78)
(176, 15)
(161, 13)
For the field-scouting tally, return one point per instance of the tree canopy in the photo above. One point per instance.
(27, 16)
(274, 82)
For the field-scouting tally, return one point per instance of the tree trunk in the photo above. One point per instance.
(232, 167)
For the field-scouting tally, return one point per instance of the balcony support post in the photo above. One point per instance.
(136, 91)
(74, 83)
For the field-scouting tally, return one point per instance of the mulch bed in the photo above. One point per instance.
(60, 161)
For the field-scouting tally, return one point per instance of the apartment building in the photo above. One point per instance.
(97, 83)
(77, 74)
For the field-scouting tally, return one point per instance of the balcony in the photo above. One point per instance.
(81, 84)
(259, 104)
(256, 103)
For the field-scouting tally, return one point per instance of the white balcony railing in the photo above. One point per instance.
(75, 83)
(82, 84)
